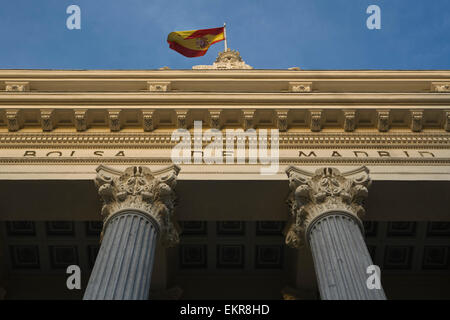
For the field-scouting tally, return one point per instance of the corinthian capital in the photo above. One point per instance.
(140, 189)
(325, 191)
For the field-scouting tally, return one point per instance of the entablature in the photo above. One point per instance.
(277, 81)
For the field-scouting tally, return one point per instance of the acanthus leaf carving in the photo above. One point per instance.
(324, 191)
(141, 189)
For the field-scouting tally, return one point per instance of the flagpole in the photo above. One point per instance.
(225, 35)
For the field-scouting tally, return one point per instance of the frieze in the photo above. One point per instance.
(286, 156)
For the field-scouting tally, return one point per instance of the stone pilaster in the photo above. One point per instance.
(138, 210)
(326, 207)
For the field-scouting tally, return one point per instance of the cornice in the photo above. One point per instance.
(169, 81)
(224, 98)
(168, 73)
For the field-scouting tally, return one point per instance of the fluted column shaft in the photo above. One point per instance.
(124, 264)
(326, 207)
(341, 258)
(138, 211)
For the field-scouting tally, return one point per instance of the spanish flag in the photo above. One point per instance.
(195, 43)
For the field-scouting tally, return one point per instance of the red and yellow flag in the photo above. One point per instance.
(195, 43)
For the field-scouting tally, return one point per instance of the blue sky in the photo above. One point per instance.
(270, 34)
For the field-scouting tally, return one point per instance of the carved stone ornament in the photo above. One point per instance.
(248, 118)
(300, 86)
(47, 119)
(114, 119)
(80, 119)
(214, 116)
(324, 191)
(447, 120)
(316, 120)
(416, 120)
(282, 119)
(230, 59)
(158, 86)
(147, 119)
(138, 188)
(17, 86)
(440, 86)
(383, 120)
(349, 120)
(13, 119)
(181, 118)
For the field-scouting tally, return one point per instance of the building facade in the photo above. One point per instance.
(225, 182)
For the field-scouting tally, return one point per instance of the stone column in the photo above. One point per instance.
(138, 211)
(326, 207)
